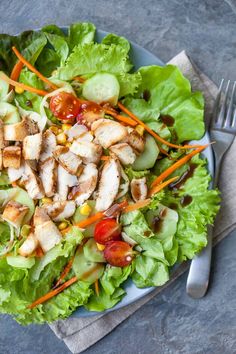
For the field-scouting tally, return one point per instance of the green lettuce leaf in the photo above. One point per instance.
(104, 301)
(113, 277)
(81, 33)
(112, 38)
(169, 93)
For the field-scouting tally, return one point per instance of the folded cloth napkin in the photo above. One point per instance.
(80, 333)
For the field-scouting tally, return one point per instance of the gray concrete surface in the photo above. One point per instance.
(172, 322)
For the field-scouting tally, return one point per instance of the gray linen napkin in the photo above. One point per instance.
(80, 333)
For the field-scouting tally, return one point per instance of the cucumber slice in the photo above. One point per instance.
(89, 231)
(102, 87)
(86, 270)
(4, 87)
(92, 253)
(9, 113)
(148, 157)
(20, 262)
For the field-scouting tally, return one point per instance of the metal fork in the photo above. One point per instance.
(222, 131)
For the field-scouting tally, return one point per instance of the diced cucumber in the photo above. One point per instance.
(102, 87)
(89, 231)
(86, 270)
(20, 262)
(148, 157)
(92, 253)
(9, 113)
(4, 87)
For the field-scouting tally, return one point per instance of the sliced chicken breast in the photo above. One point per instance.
(48, 176)
(32, 183)
(86, 184)
(64, 181)
(139, 189)
(14, 213)
(124, 152)
(40, 216)
(59, 211)
(32, 146)
(18, 131)
(89, 152)
(2, 141)
(12, 157)
(49, 144)
(28, 246)
(67, 159)
(76, 131)
(108, 132)
(15, 173)
(108, 185)
(135, 140)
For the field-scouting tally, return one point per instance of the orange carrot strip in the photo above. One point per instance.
(53, 293)
(138, 205)
(105, 157)
(91, 220)
(96, 285)
(159, 187)
(80, 79)
(121, 118)
(32, 68)
(23, 86)
(176, 165)
(150, 131)
(65, 272)
(16, 70)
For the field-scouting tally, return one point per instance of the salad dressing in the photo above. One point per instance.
(185, 176)
(167, 120)
(186, 200)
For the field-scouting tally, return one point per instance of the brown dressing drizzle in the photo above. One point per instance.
(157, 224)
(186, 200)
(146, 95)
(167, 120)
(186, 175)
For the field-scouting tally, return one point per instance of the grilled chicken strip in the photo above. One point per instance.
(135, 140)
(139, 189)
(67, 159)
(48, 176)
(15, 173)
(64, 181)
(86, 184)
(59, 211)
(89, 152)
(46, 231)
(108, 132)
(108, 185)
(18, 131)
(12, 157)
(32, 146)
(124, 152)
(49, 144)
(2, 141)
(14, 213)
(28, 246)
(32, 183)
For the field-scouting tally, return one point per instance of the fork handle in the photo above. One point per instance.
(199, 272)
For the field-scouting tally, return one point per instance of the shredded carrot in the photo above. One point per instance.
(105, 157)
(150, 131)
(16, 70)
(176, 165)
(14, 184)
(80, 79)
(53, 293)
(159, 187)
(23, 86)
(96, 286)
(39, 252)
(135, 206)
(121, 118)
(32, 68)
(91, 220)
(65, 272)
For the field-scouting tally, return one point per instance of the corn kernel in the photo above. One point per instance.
(46, 200)
(85, 209)
(61, 138)
(63, 225)
(68, 145)
(54, 129)
(19, 89)
(100, 247)
(66, 127)
(139, 129)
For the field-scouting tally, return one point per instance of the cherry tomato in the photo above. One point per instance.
(118, 253)
(107, 230)
(90, 111)
(65, 106)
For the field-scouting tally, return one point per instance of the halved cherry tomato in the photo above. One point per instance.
(118, 253)
(107, 230)
(65, 106)
(90, 111)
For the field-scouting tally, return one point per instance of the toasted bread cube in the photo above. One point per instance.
(32, 146)
(18, 131)
(12, 157)
(14, 213)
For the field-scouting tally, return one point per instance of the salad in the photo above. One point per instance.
(99, 179)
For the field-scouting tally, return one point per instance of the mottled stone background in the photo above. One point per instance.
(172, 322)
